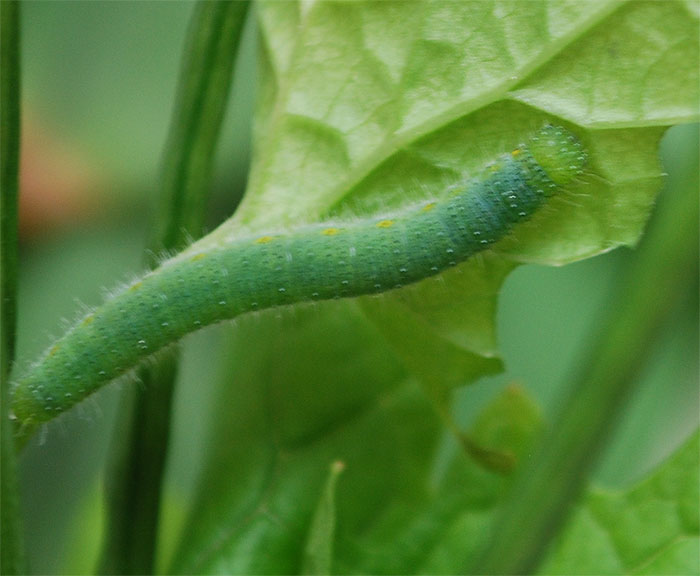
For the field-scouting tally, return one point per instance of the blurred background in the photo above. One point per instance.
(98, 86)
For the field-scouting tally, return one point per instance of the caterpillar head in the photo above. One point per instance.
(559, 153)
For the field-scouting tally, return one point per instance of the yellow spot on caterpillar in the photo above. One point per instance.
(516, 152)
(330, 231)
(88, 319)
(428, 207)
(135, 286)
(495, 167)
(264, 240)
(385, 224)
(197, 257)
(54, 349)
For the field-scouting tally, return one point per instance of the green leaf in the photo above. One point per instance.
(404, 477)
(620, 74)
(651, 528)
(365, 108)
(276, 437)
(353, 94)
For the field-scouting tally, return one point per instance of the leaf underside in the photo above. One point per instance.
(366, 108)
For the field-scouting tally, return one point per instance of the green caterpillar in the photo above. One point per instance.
(311, 263)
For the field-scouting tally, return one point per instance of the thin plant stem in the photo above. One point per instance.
(12, 549)
(140, 447)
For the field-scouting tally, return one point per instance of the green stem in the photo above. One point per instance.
(205, 78)
(135, 470)
(12, 552)
(12, 549)
(136, 466)
(544, 493)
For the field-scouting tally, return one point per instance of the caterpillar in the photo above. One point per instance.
(315, 262)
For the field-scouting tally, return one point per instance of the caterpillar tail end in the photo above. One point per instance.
(23, 413)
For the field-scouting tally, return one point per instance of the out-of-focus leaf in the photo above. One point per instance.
(404, 482)
(652, 528)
